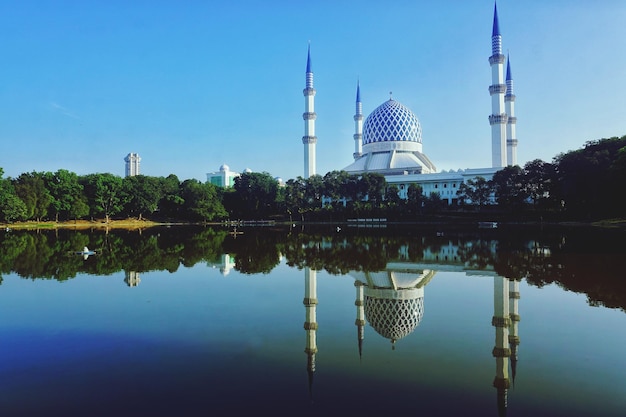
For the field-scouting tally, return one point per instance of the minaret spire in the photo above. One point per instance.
(509, 101)
(358, 124)
(309, 139)
(498, 117)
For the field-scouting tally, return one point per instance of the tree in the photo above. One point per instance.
(31, 189)
(476, 191)
(294, 192)
(392, 196)
(171, 201)
(509, 188)
(201, 202)
(11, 207)
(415, 198)
(374, 185)
(67, 195)
(105, 194)
(538, 180)
(143, 194)
(258, 192)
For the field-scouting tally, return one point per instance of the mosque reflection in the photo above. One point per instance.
(391, 301)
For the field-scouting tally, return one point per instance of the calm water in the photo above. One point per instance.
(431, 322)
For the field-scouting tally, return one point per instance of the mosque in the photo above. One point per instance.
(389, 141)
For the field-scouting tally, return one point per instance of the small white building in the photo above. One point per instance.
(223, 178)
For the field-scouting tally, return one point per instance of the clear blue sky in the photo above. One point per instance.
(191, 85)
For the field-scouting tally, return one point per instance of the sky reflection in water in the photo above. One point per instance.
(196, 341)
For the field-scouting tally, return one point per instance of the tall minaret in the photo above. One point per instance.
(309, 139)
(310, 325)
(358, 124)
(501, 321)
(498, 117)
(509, 100)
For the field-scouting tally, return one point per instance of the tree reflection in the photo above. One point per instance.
(581, 261)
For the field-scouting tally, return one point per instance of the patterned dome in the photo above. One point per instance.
(394, 318)
(392, 121)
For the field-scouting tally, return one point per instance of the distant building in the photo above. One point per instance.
(132, 164)
(223, 178)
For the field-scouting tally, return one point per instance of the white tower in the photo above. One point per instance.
(497, 89)
(509, 100)
(309, 139)
(132, 164)
(358, 125)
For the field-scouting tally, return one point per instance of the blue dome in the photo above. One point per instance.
(392, 121)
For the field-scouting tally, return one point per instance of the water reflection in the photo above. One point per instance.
(393, 270)
(582, 261)
(391, 301)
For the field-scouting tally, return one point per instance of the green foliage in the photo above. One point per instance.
(201, 202)
(31, 189)
(257, 193)
(106, 194)
(142, 195)
(476, 191)
(67, 195)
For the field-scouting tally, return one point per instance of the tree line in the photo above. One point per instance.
(580, 184)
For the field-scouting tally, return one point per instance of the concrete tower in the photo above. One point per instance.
(310, 325)
(132, 164)
(509, 100)
(358, 124)
(497, 89)
(309, 139)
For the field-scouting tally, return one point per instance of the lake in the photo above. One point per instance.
(397, 319)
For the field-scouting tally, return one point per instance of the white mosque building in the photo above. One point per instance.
(389, 141)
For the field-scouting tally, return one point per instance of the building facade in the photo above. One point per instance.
(132, 164)
(223, 178)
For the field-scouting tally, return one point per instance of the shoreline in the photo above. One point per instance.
(133, 224)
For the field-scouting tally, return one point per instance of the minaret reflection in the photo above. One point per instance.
(310, 325)
(360, 315)
(515, 318)
(392, 302)
(501, 351)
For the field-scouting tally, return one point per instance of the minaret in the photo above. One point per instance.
(498, 117)
(310, 325)
(501, 351)
(358, 124)
(360, 314)
(515, 318)
(509, 100)
(309, 139)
